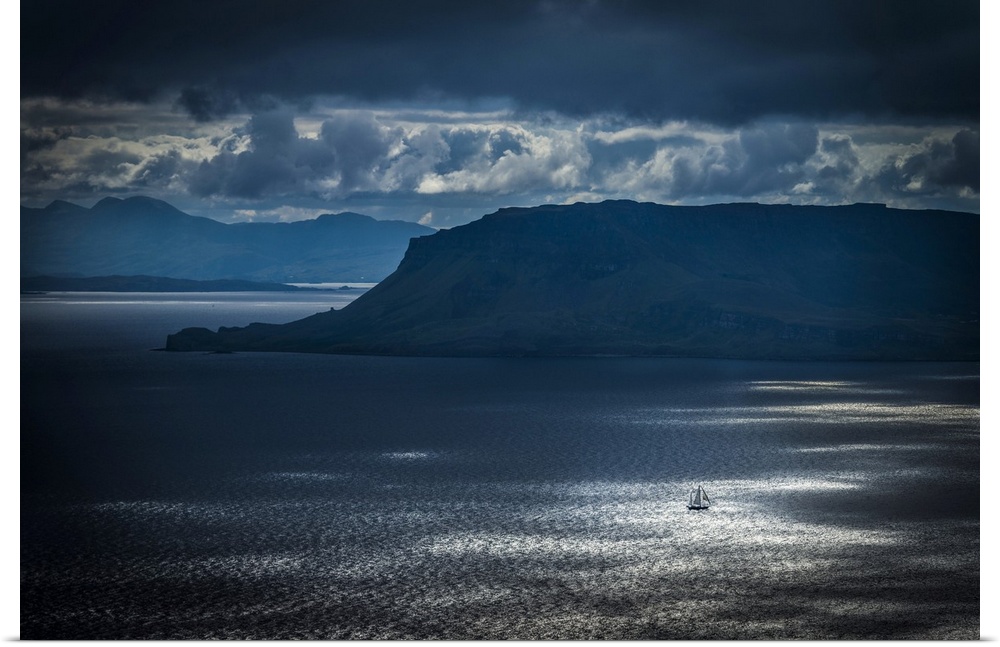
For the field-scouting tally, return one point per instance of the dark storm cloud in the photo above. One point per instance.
(464, 146)
(758, 160)
(158, 170)
(718, 61)
(206, 104)
(774, 156)
(611, 156)
(503, 142)
(36, 139)
(359, 145)
(101, 161)
(958, 166)
(839, 168)
(345, 156)
(939, 165)
(277, 160)
(435, 106)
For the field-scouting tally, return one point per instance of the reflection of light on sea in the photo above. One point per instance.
(853, 411)
(305, 476)
(639, 542)
(829, 412)
(408, 456)
(251, 566)
(784, 385)
(569, 548)
(161, 508)
(818, 386)
(868, 447)
(657, 520)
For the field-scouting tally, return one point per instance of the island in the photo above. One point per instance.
(754, 281)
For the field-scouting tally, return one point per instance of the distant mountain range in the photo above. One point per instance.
(143, 236)
(148, 284)
(619, 277)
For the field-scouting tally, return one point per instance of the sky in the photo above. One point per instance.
(442, 111)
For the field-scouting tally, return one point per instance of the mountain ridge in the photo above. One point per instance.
(146, 236)
(621, 277)
(142, 283)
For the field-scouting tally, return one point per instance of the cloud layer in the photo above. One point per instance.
(446, 110)
(724, 61)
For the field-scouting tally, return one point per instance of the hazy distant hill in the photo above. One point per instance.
(739, 280)
(147, 284)
(143, 236)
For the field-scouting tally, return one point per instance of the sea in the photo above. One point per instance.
(278, 496)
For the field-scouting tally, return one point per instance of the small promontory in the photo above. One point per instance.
(625, 278)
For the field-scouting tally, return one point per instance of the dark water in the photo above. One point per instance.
(282, 496)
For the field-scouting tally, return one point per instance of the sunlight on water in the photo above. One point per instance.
(832, 482)
(782, 385)
(160, 508)
(902, 447)
(952, 378)
(283, 496)
(305, 476)
(252, 566)
(828, 412)
(408, 456)
(841, 412)
(574, 559)
(802, 387)
(596, 516)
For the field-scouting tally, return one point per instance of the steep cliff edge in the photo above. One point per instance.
(619, 277)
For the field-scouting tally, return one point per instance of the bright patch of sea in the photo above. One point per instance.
(282, 496)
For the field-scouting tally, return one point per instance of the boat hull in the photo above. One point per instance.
(697, 507)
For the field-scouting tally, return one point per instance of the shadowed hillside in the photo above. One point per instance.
(619, 277)
(143, 236)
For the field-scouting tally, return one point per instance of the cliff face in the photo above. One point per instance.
(742, 280)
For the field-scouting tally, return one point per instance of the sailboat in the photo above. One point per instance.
(698, 499)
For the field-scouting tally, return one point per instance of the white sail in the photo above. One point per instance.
(698, 499)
